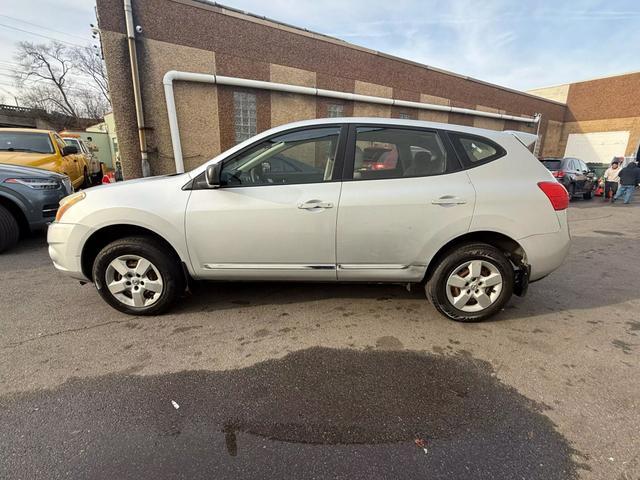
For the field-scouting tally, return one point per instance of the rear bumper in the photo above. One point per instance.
(65, 248)
(546, 252)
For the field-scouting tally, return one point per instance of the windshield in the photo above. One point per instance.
(552, 164)
(73, 142)
(25, 142)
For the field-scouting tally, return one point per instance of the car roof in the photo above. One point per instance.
(496, 135)
(26, 130)
(392, 122)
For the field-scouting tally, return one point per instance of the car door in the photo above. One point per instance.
(69, 163)
(263, 223)
(396, 212)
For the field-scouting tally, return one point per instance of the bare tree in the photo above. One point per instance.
(47, 65)
(63, 79)
(90, 63)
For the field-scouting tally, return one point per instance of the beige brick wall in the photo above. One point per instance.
(361, 109)
(196, 105)
(488, 123)
(286, 107)
(433, 115)
(559, 93)
(551, 146)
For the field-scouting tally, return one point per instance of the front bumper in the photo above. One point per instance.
(65, 248)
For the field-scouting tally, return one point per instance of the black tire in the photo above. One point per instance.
(436, 287)
(9, 229)
(572, 191)
(165, 262)
(587, 195)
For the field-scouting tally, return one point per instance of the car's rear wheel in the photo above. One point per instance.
(137, 275)
(587, 195)
(572, 191)
(9, 229)
(472, 283)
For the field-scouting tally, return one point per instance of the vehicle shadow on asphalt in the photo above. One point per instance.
(316, 413)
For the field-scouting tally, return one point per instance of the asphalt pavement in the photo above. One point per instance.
(274, 380)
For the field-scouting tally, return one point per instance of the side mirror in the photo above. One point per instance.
(212, 175)
(69, 150)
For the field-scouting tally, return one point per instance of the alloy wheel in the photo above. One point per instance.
(474, 286)
(134, 281)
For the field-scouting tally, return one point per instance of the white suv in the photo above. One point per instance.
(469, 213)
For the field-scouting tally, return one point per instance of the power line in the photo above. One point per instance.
(40, 35)
(42, 26)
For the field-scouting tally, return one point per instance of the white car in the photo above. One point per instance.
(470, 214)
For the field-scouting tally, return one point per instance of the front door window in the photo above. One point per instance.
(305, 156)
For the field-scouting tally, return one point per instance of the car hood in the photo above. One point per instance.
(136, 181)
(25, 158)
(14, 170)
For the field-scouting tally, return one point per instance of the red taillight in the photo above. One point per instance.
(558, 174)
(556, 193)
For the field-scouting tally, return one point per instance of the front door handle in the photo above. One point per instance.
(449, 200)
(315, 205)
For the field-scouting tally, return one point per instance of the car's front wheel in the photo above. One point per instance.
(9, 229)
(138, 276)
(472, 283)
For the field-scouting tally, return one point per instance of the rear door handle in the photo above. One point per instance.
(315, 205)
(448, 200)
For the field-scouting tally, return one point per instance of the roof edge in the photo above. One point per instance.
(260, 19)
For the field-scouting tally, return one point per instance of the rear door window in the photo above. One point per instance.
(392, 152)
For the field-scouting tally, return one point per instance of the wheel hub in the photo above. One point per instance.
(474, 285)
(134, 281)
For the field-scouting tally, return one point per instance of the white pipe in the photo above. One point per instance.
(173, 75)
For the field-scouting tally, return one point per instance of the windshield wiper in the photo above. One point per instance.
(14, 149)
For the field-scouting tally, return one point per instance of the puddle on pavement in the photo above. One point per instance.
(316, 413)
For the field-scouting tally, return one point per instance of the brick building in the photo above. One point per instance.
(195, 36)
(602, 118)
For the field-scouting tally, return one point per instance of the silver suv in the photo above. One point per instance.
(470, 214)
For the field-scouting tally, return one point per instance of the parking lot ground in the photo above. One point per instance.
(328, 381)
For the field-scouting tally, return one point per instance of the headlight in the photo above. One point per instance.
(36, 183)
(67, 202)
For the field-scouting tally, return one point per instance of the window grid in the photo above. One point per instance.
(245, 115)
(335, 110)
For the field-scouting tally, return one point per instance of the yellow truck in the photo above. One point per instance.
(44, 149)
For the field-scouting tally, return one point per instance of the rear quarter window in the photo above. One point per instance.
(474, 150)
(552, 164)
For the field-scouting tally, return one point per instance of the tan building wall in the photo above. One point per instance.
(198, 37)
(608, 104)
(557, 93)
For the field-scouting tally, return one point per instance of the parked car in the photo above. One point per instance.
(470, 214)
(94, 167)
(574, 174)
(43, 149)
(29, 200)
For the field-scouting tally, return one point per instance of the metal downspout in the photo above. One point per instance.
(137, 96)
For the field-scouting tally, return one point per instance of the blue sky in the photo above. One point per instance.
(521, 45)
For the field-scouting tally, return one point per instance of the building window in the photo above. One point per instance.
(244, 105)
(335, 110)
(404, 116)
